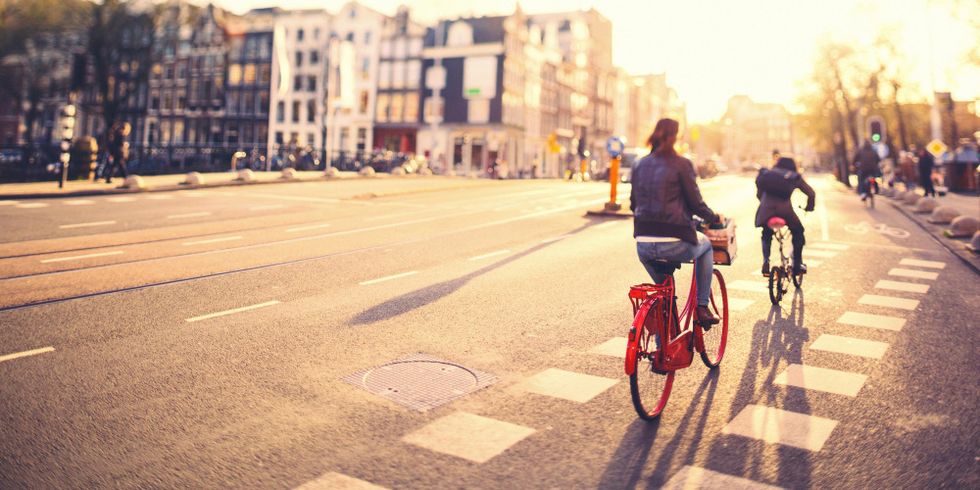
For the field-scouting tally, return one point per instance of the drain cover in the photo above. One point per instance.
(420, 382)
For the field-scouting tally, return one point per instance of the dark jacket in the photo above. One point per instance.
(771, 205)
(926, 163)
(665, 195)
(867, 161)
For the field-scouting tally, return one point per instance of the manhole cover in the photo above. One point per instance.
(420, 382)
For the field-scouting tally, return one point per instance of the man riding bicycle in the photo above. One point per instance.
(774, 187)
(867, 163)
(664, 197)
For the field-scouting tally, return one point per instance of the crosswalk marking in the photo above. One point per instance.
(8, 203)
(213, 240)
(615, 347)
(913, 273)
(778, 426)
(189, 215)
(908, 287)
(874, 321)
(32, 205)
(159, 197)
(566, 385)
(468, 436)
(824, 254)
(121, 199)
(821, 379)
(829, 246)
(695, 478)
(338, 481)
(752, 286)
(851, 346)
(889, 302)
(388, 278)
(931, 264)
(739, 304)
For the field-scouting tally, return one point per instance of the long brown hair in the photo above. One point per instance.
(665, 130)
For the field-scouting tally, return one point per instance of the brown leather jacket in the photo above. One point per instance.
(665, 197)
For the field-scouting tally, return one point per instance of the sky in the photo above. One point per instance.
(714, 49)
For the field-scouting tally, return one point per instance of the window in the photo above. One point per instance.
(297, 83)
(234, 100)
(281, 111)
(433, 109)
(381, 110)
(265, 74)
(366, 68)
(310, 111)
(299, 34)
(169, 72)
(400, 47)
(367, 37)
(296, 109)
(413, 74)
(310, 139)
(398, 74)
(311, 83)
(179, 131)
(384, 74)
(168, 101)
(155, 100)
(479, 110)
(411, 107)
(362, 107)
(263, 103)
(249, 75)
(165, 131)
(248, 103)
(314, 57)
(316, 33)
(181, 100)
(361, 139)
(299, 58)
(397, 107)
(278, 137)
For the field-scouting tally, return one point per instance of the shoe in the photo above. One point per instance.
(864, 197)
(704, 317)
(800, 269)
(765, 269)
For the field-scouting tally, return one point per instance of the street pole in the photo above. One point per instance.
(612, 205)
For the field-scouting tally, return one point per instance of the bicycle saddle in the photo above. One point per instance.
(666, 266)
(776, 222)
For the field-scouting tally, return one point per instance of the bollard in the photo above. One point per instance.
(134, 182)
(612, 205)
(246, 175)
(962, 227)
(288, 173)
(194, 178)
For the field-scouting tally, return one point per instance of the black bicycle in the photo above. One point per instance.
(781, 275)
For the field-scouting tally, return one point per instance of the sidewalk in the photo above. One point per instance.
(36, 190)
(966, 204)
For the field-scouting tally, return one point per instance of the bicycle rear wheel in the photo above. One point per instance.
(798, 280)
(715, 338)
(776, 284)
(649, 388)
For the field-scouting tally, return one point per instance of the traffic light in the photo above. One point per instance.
(876, 129)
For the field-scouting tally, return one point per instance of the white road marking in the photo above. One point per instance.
(213, 240)
(26, 353)
(80, 257)
(121, 199)
(230, 312)
(813, 263)
(159, 197)
(468, 436)
(388, 278)
(310, 227)
(931, 264)
(189, 215)
(79, 202)
(908, 287)
(752, 286)
(615, 347)
(824, 222)
(874, 321)
(491, 254)
(913, 274)
(829, 246)
(567, 385)
(86, 225)
(695, 478)
(821, 379)
(778, 426)
(850, 346)
(824, 254)
(739, 304)
(295, 198)
(555, 239)
(32, 205)
(267, 207)
(338, 481)
(8, 203)
(889, 302)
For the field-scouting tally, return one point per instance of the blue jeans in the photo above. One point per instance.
(681, 251)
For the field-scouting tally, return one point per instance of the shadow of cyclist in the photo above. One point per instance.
(778, 342)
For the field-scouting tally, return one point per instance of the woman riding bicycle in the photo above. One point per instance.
(664, 197)
(774, 188)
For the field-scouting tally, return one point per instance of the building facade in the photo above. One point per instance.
(399, 105)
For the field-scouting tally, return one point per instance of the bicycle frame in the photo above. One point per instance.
(678, 351)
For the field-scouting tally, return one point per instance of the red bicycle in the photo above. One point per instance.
(657, 346)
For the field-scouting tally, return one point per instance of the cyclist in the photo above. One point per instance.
(867, 162)
(663, 199)
(773, 188)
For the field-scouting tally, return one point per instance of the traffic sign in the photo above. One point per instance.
(937, 148)
(615, 146)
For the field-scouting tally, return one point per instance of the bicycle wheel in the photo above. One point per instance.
(775, 285)
(714, 339)
(649, 388)
(798, 280)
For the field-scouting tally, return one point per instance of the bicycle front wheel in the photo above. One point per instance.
(649, 388)
(714, 339)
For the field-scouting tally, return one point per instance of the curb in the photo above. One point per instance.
(958, 253)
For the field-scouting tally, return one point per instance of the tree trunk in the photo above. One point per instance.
(848, 111)
(903, 134)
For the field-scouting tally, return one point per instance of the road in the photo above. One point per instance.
(229, 338)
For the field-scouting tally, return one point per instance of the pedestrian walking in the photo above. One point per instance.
(906, 168)
(118, 150)
(926, 164)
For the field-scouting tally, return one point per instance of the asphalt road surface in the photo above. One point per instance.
(453, 333)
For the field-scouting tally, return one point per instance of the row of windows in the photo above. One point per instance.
(314, 58)
(401, 47)
(296, 113)
(203, 132)
(308, 81)
(399, 74)
(249, 74)
(397, 107)
(294, 139)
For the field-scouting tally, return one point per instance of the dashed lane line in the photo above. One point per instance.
(931, 264)
(338, 481)
(189, 215)
(693, 478)
(86, 225)
(777, 426)
(821, 379)
(908, 287)
(213, 240)
(26, 353)
(899, 272)
(32, 205)
(850, 346)
(491, 254)
(388, 278)
(881, 322)
(233, 311)
(160, 197)
(889, 302)
(121, 199)
(80, 257)
(79, 202)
